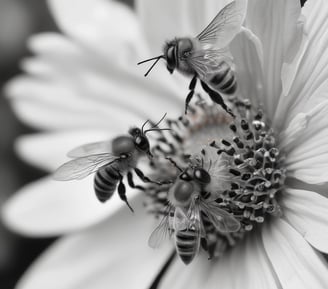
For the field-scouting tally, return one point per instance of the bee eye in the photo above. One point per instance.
(142, 143)
(186, 53)
(202, 176)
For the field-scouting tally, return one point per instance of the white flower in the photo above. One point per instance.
(77, 89)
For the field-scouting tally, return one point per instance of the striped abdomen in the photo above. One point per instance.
(223, 80)
(187, 244)
(105, 183)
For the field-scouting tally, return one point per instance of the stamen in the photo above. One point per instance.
(243, 161)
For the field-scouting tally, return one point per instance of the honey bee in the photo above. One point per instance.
(206, 57)
(187, 201)
(110, 160)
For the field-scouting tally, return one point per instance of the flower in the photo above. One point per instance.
(280, 63)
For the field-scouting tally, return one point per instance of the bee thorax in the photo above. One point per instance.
(122, 145)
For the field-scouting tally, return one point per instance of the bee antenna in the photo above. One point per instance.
(142, 128)
(157, 59)
(155, 125)
(174, 163)
(156, 129)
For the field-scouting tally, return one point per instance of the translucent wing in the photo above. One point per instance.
(161, 232)
(91, 149)
(181, 220)
(81, 167)
(222, 220)
(226, 24)
(207, 61)
(195, 218)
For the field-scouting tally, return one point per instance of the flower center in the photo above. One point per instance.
(226, 178)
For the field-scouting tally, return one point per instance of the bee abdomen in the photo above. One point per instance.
(186, 245)
(105, 183)
(224, 80)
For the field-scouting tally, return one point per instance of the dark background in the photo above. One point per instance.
(18, 20)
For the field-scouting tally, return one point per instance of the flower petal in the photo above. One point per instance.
(51, 105)
(113, 254)
(307, 212)
(307, 156)
(162, 21)
(50, 208)
(278, 25)
(296, 263)
(306, 78)
(95, 23)
(247, 53)
(179, 275)
(48, 150)
(246, 266)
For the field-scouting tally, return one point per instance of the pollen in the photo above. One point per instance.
(235, 167)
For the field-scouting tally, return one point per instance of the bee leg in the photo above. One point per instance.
(145, 179)
(122, 193)
(216, 97)
(132, 184)
(192, 86)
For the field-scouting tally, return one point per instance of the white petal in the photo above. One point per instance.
(247, 53)
(307, 212)
(162, 21)
(96, 23)
(307, 77)
(289, 137)
(307, 156)
(279, 27)
(113, 254)
(50, 208)
(296, 263)
(193, 276)
(48, 150)
(245, 266)
(51, 105)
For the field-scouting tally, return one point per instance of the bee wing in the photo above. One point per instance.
(91, 149)
(81, 167)
(195, 218)
(226, 24)
(207, 61)
(161, 232)
(181, 220)
(222, 220)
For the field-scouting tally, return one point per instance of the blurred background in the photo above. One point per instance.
(18, 20)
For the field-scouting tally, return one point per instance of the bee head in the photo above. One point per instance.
(140, 140)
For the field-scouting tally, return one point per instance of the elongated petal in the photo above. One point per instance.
(162, 21)
(305, 80)
(279, 27)
(307, 156)
(95, 23)
(296, 263)
(179, 275)
(50, 208)
(246, 266)
(48, 150)
(247, 53)
(307, 212)
(113, 254)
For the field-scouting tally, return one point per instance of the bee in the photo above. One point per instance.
(110, 160)
(187, 203)
(206, 57)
